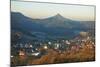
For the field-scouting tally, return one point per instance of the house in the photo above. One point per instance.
(21, 53)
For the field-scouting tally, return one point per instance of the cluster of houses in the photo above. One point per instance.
(38, 49)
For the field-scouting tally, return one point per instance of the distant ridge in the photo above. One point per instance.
(51, 27)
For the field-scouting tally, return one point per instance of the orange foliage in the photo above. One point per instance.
(56, 56)
(85, 54)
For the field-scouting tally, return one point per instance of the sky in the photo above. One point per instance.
(43, 10)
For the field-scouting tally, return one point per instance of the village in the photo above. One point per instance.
(37, 50)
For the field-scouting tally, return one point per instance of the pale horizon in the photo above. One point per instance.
(45, 10)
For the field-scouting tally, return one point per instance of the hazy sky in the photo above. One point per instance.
(44, 10)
